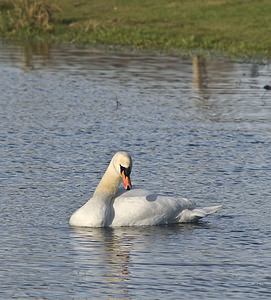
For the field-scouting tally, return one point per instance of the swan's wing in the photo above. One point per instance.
(139, 207)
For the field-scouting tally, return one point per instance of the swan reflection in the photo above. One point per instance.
(102, 258)
(112, 260)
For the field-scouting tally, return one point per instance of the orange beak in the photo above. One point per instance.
(126, 181)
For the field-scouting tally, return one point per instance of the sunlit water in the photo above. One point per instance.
(199, 128)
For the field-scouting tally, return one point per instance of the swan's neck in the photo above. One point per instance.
(109, 184)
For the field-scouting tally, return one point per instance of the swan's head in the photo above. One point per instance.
(122, 163)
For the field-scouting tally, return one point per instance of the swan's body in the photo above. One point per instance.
(109, 207)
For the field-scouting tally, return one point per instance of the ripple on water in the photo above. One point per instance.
(196, 127)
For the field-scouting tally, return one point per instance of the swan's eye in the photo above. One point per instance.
(126, 171)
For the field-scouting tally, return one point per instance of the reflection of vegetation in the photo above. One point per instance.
(29, 15)
(30, 50)
(235, 27)
(200, 76)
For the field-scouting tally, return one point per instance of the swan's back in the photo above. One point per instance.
(139, 207)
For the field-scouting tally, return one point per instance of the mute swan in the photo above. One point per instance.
(109, 207)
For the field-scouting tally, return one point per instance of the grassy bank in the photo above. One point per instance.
(234, 27)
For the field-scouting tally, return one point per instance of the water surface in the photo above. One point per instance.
(198, 128)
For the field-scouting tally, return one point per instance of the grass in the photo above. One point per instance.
(31, 17)
(234, 27)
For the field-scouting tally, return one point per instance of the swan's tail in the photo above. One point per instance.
(189, 216)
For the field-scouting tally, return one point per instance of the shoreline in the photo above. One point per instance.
(233, 29)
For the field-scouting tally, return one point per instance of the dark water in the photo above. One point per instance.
(200, 128)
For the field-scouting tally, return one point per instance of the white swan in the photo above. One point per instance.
(110, 207)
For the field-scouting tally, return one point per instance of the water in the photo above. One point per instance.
(200, 128)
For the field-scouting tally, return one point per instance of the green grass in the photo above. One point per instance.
(233, 27)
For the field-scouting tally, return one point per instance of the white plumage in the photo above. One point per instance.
(109, 207)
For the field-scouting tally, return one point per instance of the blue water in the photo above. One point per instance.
(198, 128)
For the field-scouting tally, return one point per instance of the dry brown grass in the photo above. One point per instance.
(32, 14)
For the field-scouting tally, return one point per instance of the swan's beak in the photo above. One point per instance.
(126, 181)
